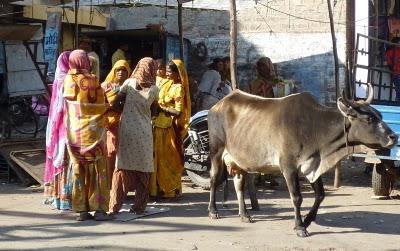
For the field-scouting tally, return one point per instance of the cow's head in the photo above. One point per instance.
(366, 122)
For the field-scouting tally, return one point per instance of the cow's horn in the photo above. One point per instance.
(370, 93)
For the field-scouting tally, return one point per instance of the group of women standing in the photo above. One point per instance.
(124, 135)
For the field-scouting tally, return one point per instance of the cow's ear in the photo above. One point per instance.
(346, 109)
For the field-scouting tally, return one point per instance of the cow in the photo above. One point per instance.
(293, 135)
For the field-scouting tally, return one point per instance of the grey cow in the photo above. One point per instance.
(292, 135)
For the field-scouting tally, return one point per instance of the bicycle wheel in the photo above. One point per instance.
(22, 118)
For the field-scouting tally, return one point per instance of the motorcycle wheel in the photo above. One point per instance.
(200, 180)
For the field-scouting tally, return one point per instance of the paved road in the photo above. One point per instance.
(348, 220)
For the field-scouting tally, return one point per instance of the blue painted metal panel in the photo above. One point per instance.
(172, 48)
(391, 115)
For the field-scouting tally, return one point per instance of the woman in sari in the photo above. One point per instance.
(263, 87)
(57, 175)
(170, 128)
(266, 78)
(111, 86)
(85, 123)
(135, 150)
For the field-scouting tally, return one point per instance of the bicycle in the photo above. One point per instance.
(16, 114)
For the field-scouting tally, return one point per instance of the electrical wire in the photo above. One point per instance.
(265, 20)
(313, 20)
(297, 17)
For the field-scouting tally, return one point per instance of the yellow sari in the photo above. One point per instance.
(111, 89)
(169, 132)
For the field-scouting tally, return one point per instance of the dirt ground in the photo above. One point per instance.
(348, 220)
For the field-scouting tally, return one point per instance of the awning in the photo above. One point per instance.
(17, 31)
(142, 33)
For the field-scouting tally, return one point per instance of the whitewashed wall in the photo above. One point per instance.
(299, 42)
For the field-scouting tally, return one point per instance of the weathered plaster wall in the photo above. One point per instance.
(197, 23)
(302, 49)
(305, 58)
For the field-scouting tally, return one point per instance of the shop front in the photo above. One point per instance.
(141, 43)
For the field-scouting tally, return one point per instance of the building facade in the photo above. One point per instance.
(295, 34)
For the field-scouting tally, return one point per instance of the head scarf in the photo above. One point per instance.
(62, 66)
(112, 74)
(79, 60)
(265, 72)
(145, 71)
(184, 117)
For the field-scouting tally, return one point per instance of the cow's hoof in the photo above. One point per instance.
(302, 233)
(213, 216)
(246, 219)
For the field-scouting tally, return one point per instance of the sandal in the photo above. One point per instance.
(83, 216)
(103, 216)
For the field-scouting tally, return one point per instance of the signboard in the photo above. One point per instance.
(51, 41)
(172, 49)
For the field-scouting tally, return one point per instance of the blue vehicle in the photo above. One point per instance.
(371, 66)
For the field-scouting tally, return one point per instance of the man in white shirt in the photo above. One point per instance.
(211, 86)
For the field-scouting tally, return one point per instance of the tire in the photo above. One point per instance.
(22, 118)
(202, 181)
(382, 180)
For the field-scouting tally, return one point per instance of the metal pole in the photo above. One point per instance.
(350, 42)
(180, 30)
(233, 43)
(76, 23)
(335, 57)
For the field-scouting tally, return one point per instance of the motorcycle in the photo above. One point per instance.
(196, 150)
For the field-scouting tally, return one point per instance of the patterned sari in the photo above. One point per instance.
(85, 123)
(57, 176)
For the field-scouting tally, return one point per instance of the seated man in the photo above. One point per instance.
(211, 86)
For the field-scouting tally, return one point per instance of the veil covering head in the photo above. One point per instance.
(184, 117)
(62, 66)
(79, 60)
(145, 71)
(119, 64)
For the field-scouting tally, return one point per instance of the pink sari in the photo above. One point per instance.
(56, 131)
